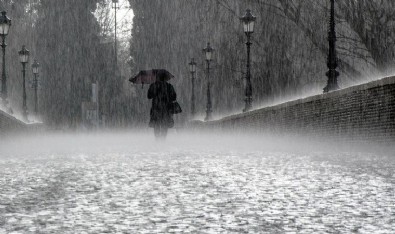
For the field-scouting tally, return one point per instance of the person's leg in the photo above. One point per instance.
(157, 131)
(164, 132)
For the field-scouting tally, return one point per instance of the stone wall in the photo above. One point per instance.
(362, 112)
(9, 123)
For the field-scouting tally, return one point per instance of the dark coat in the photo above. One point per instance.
(161, 93)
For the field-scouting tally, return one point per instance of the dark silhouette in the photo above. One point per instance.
(162, 94)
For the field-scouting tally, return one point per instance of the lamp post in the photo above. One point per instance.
(192, 69)
(24, 59)
(332, 74)
(115, 7)
(209, 53)
(5, 24)
(36, 70)
(249, 22)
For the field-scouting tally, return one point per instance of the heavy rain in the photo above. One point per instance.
(197, 116)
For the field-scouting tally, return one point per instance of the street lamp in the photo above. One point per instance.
(24, 59)
(192, 69)
(5, 24)
(115, 7)
(209, 56)
(332, 74)
(36, 70)
(249, 22)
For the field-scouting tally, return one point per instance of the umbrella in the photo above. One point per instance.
(150, 76)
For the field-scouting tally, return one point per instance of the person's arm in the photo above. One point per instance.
(151, 91)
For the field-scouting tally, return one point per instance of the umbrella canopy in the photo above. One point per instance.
(150, 76)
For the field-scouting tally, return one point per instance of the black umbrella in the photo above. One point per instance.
(151, 76)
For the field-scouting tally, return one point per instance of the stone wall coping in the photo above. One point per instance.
(377, 83)
(35, 123)
(10, 117)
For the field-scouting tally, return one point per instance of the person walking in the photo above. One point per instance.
(163, 95)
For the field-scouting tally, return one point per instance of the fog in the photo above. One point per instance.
(142, 142)
(138, 140)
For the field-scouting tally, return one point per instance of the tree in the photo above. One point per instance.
(72, 57)
(365, 31)
(180, 29)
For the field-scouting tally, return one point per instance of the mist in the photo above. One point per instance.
(141, 140)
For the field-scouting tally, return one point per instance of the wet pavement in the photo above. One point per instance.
(119, 185)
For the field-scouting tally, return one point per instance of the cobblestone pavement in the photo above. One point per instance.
(120, 183)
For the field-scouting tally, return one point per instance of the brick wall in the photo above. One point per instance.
(362, 112)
